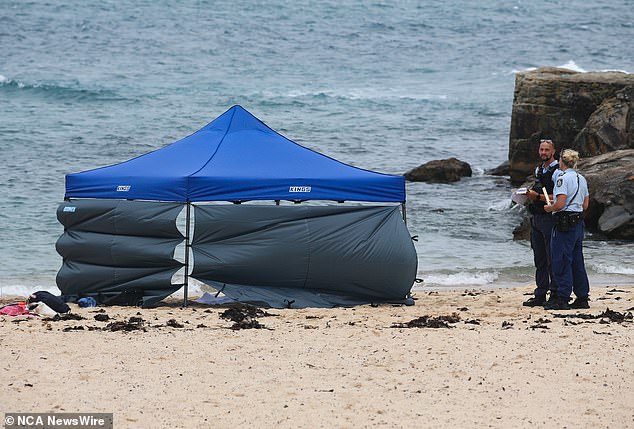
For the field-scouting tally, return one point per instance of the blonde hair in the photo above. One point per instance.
(569, 157)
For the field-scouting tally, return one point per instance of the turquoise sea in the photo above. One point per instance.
(380, 85)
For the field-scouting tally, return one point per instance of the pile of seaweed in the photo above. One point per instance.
(244, 316)
(430, 322)
(134, 323)
(605, 317)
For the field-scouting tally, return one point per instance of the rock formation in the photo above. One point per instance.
(592, 113)
(610, 127)
(589, 112)
(500, 170)
(611, 183)
(439, 171)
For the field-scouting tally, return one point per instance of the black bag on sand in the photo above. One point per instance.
(54, 302)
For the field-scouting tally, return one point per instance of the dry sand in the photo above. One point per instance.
(501, 365)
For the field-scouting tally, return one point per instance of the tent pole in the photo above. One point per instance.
(404, 212)
(187, 225)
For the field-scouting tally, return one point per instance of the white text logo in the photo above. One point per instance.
(299, 189)
(123, 188)
(70, 209)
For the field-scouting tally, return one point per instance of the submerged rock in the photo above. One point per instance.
(440, 171)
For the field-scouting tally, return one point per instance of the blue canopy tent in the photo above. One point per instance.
(236, 158)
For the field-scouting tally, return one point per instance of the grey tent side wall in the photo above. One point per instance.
(118, 251)
(304, 256)
(121, 251)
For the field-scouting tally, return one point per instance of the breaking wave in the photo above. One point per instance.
(56, 91)
(24, 287)
(460, 279)
(612, 269)
(355, 94)
(570, 65)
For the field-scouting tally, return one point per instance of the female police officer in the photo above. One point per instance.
(571, 199)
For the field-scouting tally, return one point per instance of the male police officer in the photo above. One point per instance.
(542, 224)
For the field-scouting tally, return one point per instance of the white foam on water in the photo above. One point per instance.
(6, 81)
(24, 290)
(515, 71)
(358, 94)
(461, 279)
(612, 269)
(500, 205)
(614, 70)
(195, 288)
(571, 65)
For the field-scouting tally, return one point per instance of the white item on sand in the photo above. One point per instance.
(42, 309)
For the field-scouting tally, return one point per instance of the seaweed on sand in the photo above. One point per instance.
(133, 324)
(430, 322)
(611, 315)
(244, 316)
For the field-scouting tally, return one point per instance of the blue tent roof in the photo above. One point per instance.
(236, 157)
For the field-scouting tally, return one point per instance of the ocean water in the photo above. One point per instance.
(380, 85)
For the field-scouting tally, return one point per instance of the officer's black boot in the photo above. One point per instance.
(536, 301)
(580, 303)
(558, 304)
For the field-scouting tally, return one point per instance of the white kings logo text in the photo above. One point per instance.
(123, 188)
(299, 189)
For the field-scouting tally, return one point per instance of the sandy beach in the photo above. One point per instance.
(475, 358)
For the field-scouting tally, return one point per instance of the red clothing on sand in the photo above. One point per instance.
(18, 309)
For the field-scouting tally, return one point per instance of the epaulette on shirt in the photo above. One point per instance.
(560, 178)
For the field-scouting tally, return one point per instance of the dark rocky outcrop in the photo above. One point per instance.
(439, 171)
(590, 112)
(500, 170)
(523, 230)
(610, 127)
(611, 183)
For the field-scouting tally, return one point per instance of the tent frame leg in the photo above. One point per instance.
(187, 246)
(404, 210)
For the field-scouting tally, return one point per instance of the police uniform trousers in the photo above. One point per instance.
(569, 269)
(542, 225)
